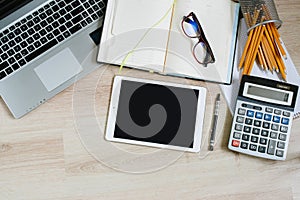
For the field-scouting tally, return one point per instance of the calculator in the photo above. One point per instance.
(263, 118)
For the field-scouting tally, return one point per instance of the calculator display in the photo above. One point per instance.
(268, 94)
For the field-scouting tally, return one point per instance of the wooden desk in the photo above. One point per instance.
(42, 156)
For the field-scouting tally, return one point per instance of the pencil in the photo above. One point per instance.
(255, 48)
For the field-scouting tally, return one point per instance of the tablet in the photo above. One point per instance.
(155, 113)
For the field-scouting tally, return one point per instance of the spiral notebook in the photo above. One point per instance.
(230, 92)
(147, 35)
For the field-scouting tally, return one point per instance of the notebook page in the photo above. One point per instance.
(132, 26)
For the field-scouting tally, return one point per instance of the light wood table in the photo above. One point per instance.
(52, 152)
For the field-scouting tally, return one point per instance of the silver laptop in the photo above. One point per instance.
(45, 46)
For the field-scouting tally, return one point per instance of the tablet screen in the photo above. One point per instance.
(155, 113)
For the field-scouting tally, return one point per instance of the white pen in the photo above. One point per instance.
(214, 123)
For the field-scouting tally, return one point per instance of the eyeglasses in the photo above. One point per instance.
(192, 29)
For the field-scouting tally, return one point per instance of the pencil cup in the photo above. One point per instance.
(258, 12)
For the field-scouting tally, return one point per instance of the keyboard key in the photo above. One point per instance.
(15, 66)
(43, 32)
(277, 112)
(37, 28)
(247, 129)
(60, 38)
(31, 31)
(49, 28)
(18, 56)
(50, 36)
(61, 4)
(62, 12)
(265, 133)
(256, 131)
(55, 8)
(5, 47)
(250, 113)
(269, 110)
(18, 39)
(283, 129)
(238, 127)
(253, 147)
(3, 65)
(237, 135)
(11, 60)
(248, 121)
(268, 117)
(275, 127)
(262, 149)
(4, 56)
(43, 40)
(271, 147)
(282, 137)
(263, 141)
(75, 28)
(37, 44)
(286, 114)
(24, 52)
(10, 52)
(2, 75)
(244, 145)
(235, 143)
(257, 123)
(50, 20)
(266, 125)
(281, 145)
(258, 115)
(276, 119)
(22, 62)
(254, 139)
(75, 3)
(23, 44)
(8, 70)
(11, 35)
(285, 121)
(4, 39)
(273, 135)
(24, 35)
(245, 137)
(41, 50)
(24, 27)
(49, 12)
(240, 119)
(30, 40)
(241, 111)
(279, 153)
(77, 19)
(30, 48)
(66, 34)
(56, 15)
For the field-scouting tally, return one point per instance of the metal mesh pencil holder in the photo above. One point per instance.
(259, 12)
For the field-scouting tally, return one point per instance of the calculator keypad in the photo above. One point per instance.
(260, 130)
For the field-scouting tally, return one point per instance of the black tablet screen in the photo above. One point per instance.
(156, 114)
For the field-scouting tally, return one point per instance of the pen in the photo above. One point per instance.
(214, 123)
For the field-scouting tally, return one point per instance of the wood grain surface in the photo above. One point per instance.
(57, 152)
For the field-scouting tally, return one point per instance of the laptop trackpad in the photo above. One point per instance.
(58, 69)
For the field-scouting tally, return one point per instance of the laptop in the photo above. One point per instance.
(45, 46)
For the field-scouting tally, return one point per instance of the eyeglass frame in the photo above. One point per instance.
(200, 35)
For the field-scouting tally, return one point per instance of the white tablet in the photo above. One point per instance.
(155, 113)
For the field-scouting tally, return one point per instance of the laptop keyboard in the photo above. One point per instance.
(44, 28)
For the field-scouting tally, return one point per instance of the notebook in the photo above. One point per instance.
(148, 35)
(230, 92)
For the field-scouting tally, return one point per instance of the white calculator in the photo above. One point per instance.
(263, 118)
